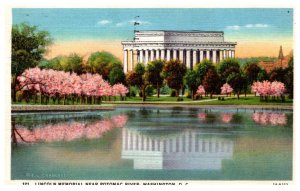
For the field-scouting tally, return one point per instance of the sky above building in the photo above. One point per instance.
(258, 32)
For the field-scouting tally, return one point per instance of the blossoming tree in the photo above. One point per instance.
(59, 84)
(200, 91)
(226, 89)
(265, 89)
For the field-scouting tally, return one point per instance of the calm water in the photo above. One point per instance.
(153, 143)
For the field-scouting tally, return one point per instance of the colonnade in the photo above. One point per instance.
(189, 57)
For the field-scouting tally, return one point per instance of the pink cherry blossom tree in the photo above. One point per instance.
(66, 85)
(266, 89)
(200, 91)
(226, 89)
(120, 89)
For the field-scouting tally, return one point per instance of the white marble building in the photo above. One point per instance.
(190, 47)
(184, 150)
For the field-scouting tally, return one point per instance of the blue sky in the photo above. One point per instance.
(75, 24)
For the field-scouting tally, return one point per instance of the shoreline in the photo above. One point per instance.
(76, 108)
(60, 108)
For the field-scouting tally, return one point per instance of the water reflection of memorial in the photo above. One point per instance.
(187, 149)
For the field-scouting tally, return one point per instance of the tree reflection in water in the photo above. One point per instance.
(266, 118)
(66, 131)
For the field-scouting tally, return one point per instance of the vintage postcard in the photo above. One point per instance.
(145, 97)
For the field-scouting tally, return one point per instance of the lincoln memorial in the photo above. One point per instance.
(190, 47)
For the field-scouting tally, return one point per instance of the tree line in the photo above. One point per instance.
(29, 46)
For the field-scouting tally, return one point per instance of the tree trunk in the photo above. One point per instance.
(238, 95)
(34, 98)
(64, 99)
(144, 93)
(13, 134)
(177, 93)
(13, 88)
(211, 95)
(41, 99)
(158, 90)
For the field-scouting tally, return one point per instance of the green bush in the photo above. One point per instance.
(188, 95)
(133, 93)
(179, 99)
(19, 96)
(149, 91)
(173, 93)
(165, 90)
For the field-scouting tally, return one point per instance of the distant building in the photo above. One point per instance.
(190, 47)
(281, 62)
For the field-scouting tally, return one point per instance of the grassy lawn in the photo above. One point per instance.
(248, 100)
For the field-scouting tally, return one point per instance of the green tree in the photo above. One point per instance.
(238, 82)
(262, 75)
(73, 63)
(192, 81)
(137, 78)
(289, 78)
(203, 67)
(227, 67)
(70, 63)
(252, 71)
(278, 74)
(28, 46)
(102, 63)
(211, 81)
(174, 72)
(116, 75)
(154, 74)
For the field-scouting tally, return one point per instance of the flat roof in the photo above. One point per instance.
(181, 31)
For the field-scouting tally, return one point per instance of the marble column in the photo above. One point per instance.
(221, 55)
(152, 55)
(146, 57)
(224, 54)
(157, 56)
(181, 56)
(201, 56)
(174, 54)
(131, 60)
(208, 55)
(162, 54)
(214, 58)
(168, 54)
(229, 54)
(125, 61)
(138, 52)
(188, 59)
(233, 54)
(194, 57)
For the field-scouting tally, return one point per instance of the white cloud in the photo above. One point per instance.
(104, 22)
(121, 24)
(257, 25)
(248, 26)
(234, 27)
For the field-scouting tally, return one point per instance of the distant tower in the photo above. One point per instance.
(280, 56)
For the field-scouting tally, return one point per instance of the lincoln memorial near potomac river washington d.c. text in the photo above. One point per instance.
(190, 47)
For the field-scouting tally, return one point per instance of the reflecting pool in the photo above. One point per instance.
(153, 144)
